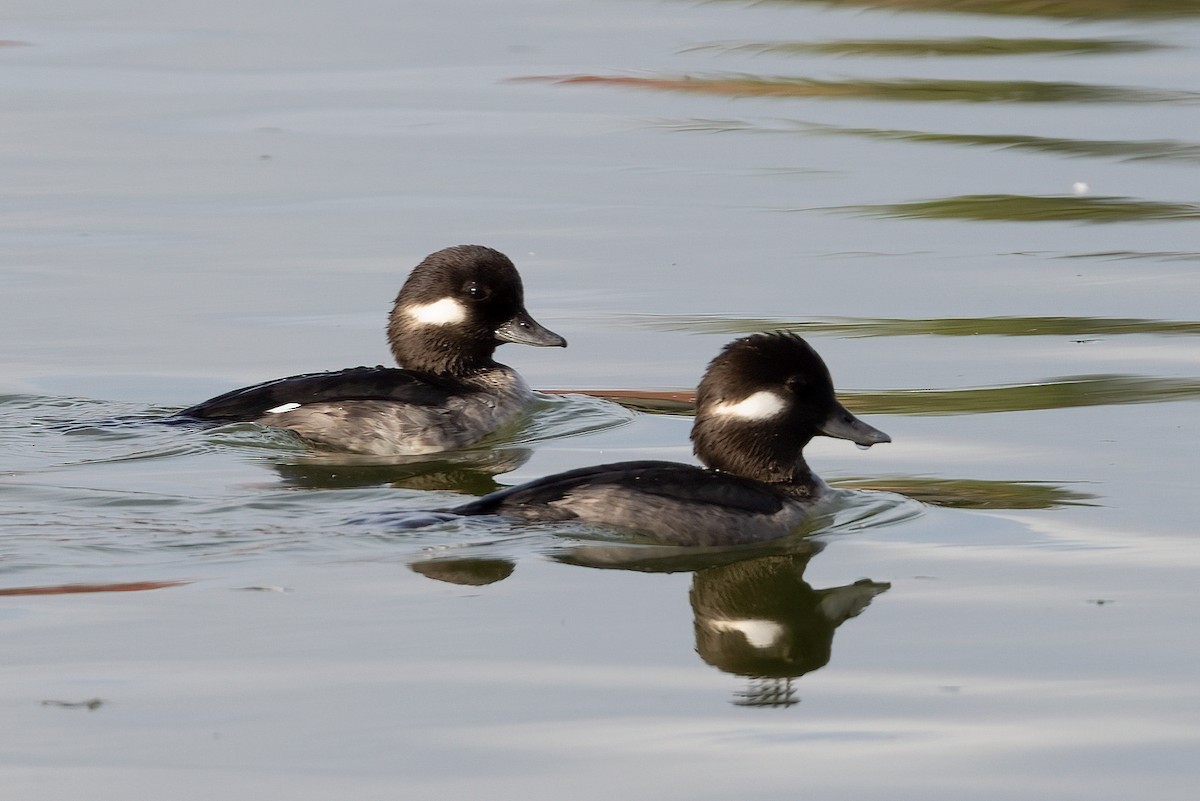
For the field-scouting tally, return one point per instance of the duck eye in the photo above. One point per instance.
(476, 291)
(796, 383)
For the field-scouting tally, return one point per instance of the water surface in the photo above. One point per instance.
(982, 214)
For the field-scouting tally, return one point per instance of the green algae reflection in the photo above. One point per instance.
(912, 90)
(916, 326)
(1033, 208)
(1059, 9)
(1129, 149)
(1055, 393)
(965, 493)
(986, 46)
(1123, 149)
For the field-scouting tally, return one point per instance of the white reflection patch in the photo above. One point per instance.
(285, 407)
(440, 312)
(758, 633)
(759, 406)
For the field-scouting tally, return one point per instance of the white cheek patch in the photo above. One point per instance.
(760, 406)
(286, 407)
(440, 312)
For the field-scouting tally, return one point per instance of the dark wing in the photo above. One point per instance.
(356, 383)
(679, 482)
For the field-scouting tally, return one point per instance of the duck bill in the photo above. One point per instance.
(843, 425)
(524, 330)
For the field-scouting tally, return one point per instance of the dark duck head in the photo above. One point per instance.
(456, 307)
(760, 402)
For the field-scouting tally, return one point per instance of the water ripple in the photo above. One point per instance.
(972, 46)
(1122, 149)
(962, 493)
(1057, 9)
(1014, 326)
(1055, 393)
(1033, 208)
(909, 90)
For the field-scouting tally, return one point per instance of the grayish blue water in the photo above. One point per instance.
(199, 197)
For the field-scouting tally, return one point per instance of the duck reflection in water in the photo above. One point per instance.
(754, 615)
(760, 619)
(472, 472)
(467, 572)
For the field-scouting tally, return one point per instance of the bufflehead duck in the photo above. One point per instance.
(761, 400)
(454, 309)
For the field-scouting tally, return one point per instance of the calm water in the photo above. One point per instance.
(1000, 604)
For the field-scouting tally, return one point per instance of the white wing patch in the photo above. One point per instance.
(440, 312)
(285, 407)
(760, 406)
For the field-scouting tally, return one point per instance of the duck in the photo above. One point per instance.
(759, 403)
(456, 307)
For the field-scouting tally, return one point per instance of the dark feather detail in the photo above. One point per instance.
(354, 384)
(677, 482)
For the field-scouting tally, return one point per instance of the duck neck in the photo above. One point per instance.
(765, 456)
(440, 350)
(795, 478)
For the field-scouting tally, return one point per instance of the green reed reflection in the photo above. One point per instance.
(1034, 208)
(1063, 9)
(922, 48)
(913, 90)
(965, 493)
(1055, 393)
(1132, 150)
(937, 326)
(1125, 149)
